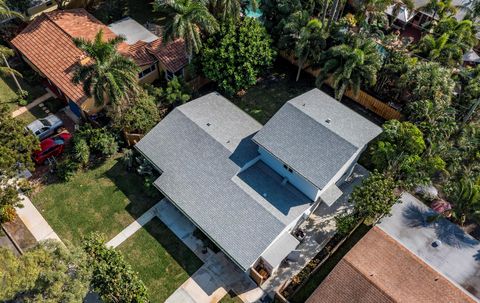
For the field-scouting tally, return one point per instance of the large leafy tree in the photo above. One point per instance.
(375, 197)
(186, 19)
(48, 273)
(113, 278)
(108, 76)
(400, 152)
(139, 117)
(236, 56)
(310, 44)
(16, 148)
(350, 65)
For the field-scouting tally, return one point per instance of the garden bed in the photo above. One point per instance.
(312, 275)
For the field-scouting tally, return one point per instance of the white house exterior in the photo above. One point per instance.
(247, 186)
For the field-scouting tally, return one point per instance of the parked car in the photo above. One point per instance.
(45, 127)
(51, 147)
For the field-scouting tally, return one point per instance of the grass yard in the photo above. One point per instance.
(52, 104)
(161, 259)
(264, 99)
(8, 93)
(317, 278)
(230, 297)
(104, 199)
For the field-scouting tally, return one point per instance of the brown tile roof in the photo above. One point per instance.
(173, 55)
(47, 43)
(379, 269)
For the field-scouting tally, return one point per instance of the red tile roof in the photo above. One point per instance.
(47, 43)
(173, 55)
(379, 269)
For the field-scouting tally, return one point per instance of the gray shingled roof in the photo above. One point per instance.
(200, 148)
(314, 128)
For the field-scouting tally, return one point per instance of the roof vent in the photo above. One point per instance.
(437, 243)
(264, 195)
(228, 141)
(303, 104)
(208, 124)
(328, 120)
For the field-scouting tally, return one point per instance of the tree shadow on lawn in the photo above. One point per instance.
(133, 187)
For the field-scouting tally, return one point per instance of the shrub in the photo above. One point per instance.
(81, 151)
(67, 169)
(22, 102)
(345, 223)
(99, 140)
(9, 199)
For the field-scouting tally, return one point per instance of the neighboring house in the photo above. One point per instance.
(407, 258)
(248, 186)
(46, 45)
(418, 17)
(379, 269)
(31, 9)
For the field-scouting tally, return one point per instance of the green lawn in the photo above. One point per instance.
(230, 298)
(8, 90)
(317, 278)
(105, 199)
(52, 104)
(263, 100)
(161, 259)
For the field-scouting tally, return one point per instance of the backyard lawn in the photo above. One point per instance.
(264, 99)
(105, 199)
(161, 259)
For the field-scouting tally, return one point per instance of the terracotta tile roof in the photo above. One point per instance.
(47, 43)
(173, 55)
(379, 269)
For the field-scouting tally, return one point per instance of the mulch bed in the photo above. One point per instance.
(20, 233)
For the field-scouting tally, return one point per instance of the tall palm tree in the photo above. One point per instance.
(442, 8)
(291, 29)
(310, 44)
(350, 65)
(187, 19)
(225, 9)
(108, 76)
(6, 12)
(466, 199)
(440, 49)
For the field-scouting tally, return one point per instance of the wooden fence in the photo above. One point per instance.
(380, 108)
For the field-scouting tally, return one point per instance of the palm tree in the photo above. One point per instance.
(350, 65)
(291, 29)
(6, 12)
(440, 49)
(466, 199)
(225, 9)
(441, 8)
(187, 19)
(310, 44)
(108, 76)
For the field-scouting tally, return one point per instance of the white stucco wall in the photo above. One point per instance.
(307, 188)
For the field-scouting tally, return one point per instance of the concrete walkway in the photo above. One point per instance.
(134, 227)
(319, 229)
(34, 221)
(35, 102)
(211, 282)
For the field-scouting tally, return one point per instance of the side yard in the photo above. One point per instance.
(106, 199)
(161, 259)
(8, 92)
